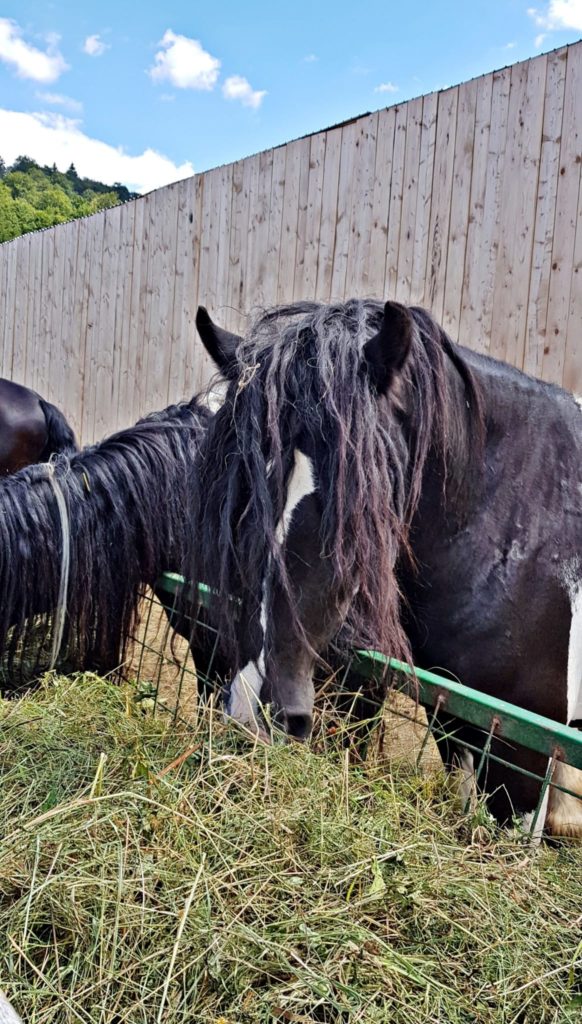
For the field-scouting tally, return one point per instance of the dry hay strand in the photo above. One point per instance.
(156, 874)
(159, 661)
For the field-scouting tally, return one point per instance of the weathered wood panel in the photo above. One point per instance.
(468, 201)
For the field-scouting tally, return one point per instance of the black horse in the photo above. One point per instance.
(31, 429)
(81, 536)
(373, 479)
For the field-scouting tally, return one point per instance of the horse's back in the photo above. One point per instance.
(23, 430)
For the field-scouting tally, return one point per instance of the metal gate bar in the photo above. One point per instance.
(498, 719)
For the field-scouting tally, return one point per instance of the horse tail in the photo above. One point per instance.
(60, 436)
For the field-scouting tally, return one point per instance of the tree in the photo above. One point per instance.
(24, 164)
(34, 197)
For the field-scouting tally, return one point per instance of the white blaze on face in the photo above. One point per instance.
(244, 698)
(301, 483)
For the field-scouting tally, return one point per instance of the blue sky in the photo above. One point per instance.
(147, 93)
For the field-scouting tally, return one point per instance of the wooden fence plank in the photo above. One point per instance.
(555, 366)
(461, 194)
(33, 310)
(520, 184)
(95, 242)
(441, 207)
(8, 284)
(258, 231)
(536, 327)
(362, 212)
(395, 209)
(181, 337)
(381, 202)
(20, 345)
(289, 224)
(469, 326)
(331, 170)
(481, 259)
(162, 298)
(67, 351)
(339, 283)
(409, 200)
(101, 421)
(423, 199)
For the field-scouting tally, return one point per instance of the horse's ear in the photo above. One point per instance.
(221, 345)
(386, 352)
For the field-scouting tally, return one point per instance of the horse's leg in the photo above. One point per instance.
(358, 701)
(191, 621)
(565, 811)
(509, 793)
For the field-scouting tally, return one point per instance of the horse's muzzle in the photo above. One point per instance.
(295, 722)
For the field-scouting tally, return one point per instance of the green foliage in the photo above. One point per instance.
(33, 197)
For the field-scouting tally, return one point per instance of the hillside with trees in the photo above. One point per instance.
(33, 197)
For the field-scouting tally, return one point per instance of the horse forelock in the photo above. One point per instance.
(302, 385)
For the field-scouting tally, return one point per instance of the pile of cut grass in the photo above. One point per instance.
(246, 884)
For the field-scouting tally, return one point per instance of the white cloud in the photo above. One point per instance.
(57, 99)
(29, 62)
(386, 87)
(311, 58)
(559, 14)
(184, 63)
(94, 46)
(237, 88)
(53, 138)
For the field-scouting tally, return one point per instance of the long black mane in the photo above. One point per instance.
(127, 502)
(301, 378)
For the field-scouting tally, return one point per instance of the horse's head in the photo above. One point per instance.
(303, 492)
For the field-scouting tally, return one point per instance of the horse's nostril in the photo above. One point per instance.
(298, 725)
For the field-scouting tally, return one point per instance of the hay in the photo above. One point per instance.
(250, 885)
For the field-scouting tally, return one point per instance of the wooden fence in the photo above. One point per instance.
(466, 201)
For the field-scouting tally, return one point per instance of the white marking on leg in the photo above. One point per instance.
(565, 811)
(468, 786)
(536, 828)
(578, 400)
(575, 656)
(8, 1014)
(244, 698)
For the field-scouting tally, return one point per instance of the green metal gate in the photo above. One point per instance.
(493, 717)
